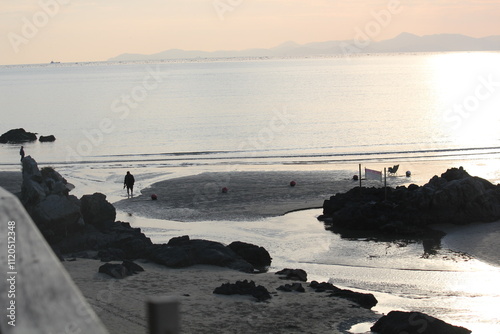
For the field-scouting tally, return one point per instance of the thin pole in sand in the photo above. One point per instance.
(360, 180)
(385, 183)
(163, 315)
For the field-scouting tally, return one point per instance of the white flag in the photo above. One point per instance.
(371, 174)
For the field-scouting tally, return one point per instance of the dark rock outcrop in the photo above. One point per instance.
(118, 241)
(45, 195)
(127, 268)
(72, 226)
(244, 288)
(297, 287)
(455, 197)
(97, 211)
(17, 136)
(132, 267)
(293, 274)
(111, 254)
(257, 256)
(414, 323)
(45, 139)
(365, 300)
(114, 270)
(183, 252)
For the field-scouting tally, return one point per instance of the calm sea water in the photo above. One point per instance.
(277, 113)
(257, 111)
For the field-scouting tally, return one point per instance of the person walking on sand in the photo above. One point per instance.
(129, 183)
(21, 152)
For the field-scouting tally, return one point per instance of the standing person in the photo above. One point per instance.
(129, 183)
(21, 152)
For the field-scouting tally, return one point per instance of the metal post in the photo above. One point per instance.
(360, 178)
(163, 315)
(385, 183)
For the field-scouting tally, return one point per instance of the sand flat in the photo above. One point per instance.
(251, 195)
(121, 303)
(11, 181)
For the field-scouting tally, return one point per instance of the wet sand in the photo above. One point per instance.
(11, 181)
(251, 195)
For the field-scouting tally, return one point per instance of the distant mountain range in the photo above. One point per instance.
(404, 42)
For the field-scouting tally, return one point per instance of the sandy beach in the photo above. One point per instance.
(121, 303)
(11, 181)
(251, 195)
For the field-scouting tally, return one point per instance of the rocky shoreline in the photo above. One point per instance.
(409, 212)
(74, 226)
(86, 227)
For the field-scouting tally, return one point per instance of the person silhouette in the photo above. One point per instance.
(129, 183)
(21, 152)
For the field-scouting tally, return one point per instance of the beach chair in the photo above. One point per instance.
(393, 170)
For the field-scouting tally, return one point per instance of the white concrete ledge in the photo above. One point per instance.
(36, 293)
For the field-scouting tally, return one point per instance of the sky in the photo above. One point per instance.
(40, 31)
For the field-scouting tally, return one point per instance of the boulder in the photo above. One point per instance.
(134, 243)
(365, 300)
(132, 267)
(44, 139)
(257, 256)
(17, 136)
(183, 252)
(293, 274)
(126, 268)
(111, 254)
(397, 322)
(170, 256)
(97, 211)
(179, 241)
(114, 270)
(244, 288)
(38, 184)
(58, 213)
(297, 287)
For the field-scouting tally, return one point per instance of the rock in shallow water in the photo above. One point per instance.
(397, 322)
(257, 256)
(365, 300)
(45, 139)
(17, 136)
(293, 274)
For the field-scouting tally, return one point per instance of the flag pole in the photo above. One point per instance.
(360, 180)
(385, 183)
(360, 176)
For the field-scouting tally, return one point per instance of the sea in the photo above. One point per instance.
(162, 119)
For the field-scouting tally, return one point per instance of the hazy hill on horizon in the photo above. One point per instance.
(405, 42)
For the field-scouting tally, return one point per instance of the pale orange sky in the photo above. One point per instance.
(89, 30)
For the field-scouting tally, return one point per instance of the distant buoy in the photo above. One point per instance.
(408, 173)
(154, 197)
(225, 190)
(293, 184)
(355, 177)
